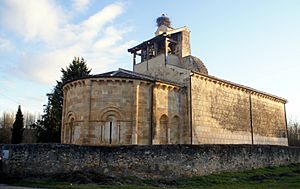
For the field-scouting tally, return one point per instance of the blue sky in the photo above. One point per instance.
(251, 42)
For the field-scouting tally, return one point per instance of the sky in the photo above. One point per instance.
(251, 42)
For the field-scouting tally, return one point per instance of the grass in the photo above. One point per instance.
(271, 177)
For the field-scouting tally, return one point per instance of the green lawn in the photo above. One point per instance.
(272, 177)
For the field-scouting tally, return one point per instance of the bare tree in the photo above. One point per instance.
(7, 119)
(294, 132)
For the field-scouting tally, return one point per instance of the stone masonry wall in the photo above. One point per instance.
(75, 108)
(157, 68)
(170, 114)
(91, 104)
(269, 124)
(223, 113)
(220, 114)
(155, 161)
(186, 49)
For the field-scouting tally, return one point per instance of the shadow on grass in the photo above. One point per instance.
(271, 177)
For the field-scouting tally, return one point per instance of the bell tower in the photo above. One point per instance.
(167, 40)
(168, 50)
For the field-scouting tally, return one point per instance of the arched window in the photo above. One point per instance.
(164, 129)
(68, 128)
(71, 130)
(110, 128)
(175, 130)
(111, 131)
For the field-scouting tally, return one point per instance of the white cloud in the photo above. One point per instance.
(94, 24)
(80, 5)
(32, 19)
(6, 45)
(44, 67)
(7, 84)
(111, 37)
(96, 38)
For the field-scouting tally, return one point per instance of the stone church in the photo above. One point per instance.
(168, 98)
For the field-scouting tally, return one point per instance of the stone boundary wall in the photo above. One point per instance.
(157, 161)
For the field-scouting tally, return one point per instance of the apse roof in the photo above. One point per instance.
(125, 74)
(122, 73)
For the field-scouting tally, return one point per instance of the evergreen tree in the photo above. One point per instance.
(18, 128)
(49, 127)
(77, 69)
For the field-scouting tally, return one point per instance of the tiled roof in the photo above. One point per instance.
(125, 74)
(122, 73)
